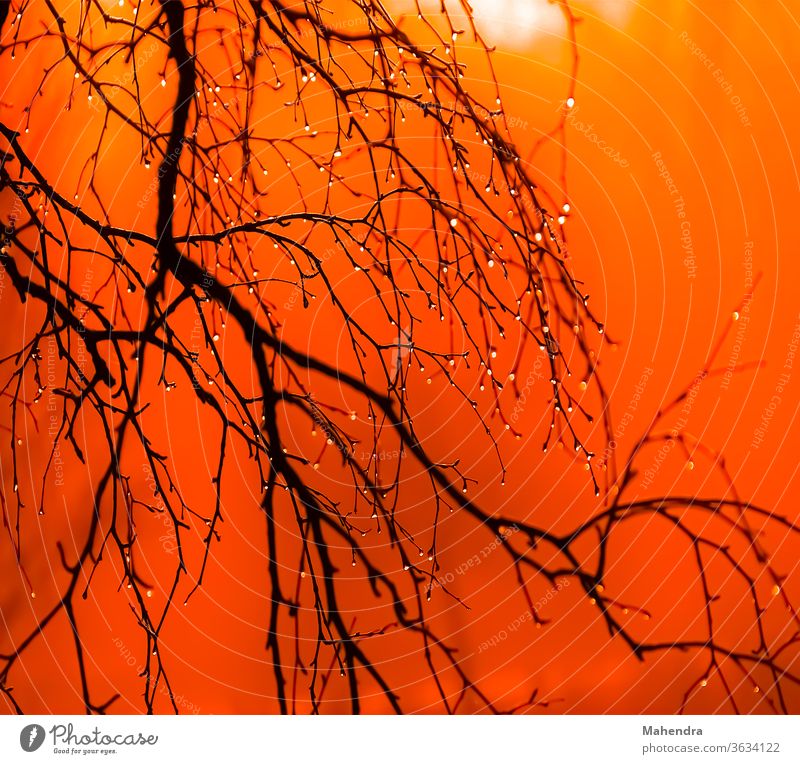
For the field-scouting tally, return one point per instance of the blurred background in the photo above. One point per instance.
(676, 157)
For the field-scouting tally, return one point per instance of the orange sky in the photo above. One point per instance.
(682, 184)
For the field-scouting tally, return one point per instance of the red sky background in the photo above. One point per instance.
(726, 132)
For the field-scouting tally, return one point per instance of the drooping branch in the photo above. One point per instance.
(430, 243)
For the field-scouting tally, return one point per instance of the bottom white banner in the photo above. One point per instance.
(390, 740)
